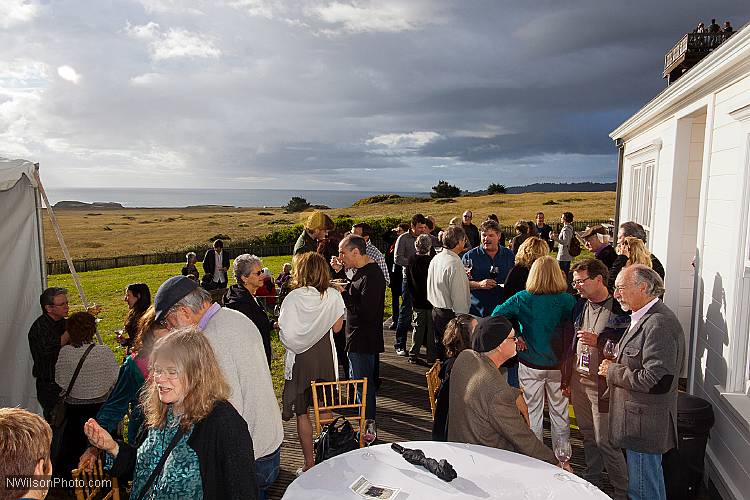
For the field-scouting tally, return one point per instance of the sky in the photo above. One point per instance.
(386, 95)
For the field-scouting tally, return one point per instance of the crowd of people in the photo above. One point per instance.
(513, 326)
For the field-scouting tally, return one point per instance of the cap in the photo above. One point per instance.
(489, 333)
(171, 292)
(598, 229)
(319, 220)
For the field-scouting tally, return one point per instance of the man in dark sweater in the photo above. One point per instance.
(472, 232)
(595, 243)
(364, 297)
(46, 337)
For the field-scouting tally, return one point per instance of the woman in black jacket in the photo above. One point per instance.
(196, 444)
(248, 270)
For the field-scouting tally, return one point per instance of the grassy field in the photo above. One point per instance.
(106, 233)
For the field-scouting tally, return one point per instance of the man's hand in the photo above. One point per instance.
(588, 338)
(565, 466)
(336, 264)
(487, 284)
(603, 367)
(64, 339)
(99, 437)
(565, 391)
(338, 287)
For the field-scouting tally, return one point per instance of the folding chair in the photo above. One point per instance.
(341, 395)
(93, 483)
(433, 383)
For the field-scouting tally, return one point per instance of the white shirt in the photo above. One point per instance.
(447, 283)
(635, 316)
(218, 272)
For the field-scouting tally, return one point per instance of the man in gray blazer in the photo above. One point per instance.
(642, 381)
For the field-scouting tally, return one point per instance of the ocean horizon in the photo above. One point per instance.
(244, 198)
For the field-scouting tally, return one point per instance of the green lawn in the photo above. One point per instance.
(107, 288)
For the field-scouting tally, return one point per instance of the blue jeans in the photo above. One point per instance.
(565, 266)
(404, 318)
(645, 476)
(362, 365)
(267, 470)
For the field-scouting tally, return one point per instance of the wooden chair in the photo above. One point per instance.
(94, 484)
(433, 383)
(341, 395)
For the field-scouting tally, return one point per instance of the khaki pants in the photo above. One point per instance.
(594, 426)
(536, 385)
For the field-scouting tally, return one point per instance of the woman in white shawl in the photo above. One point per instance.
(310, 314)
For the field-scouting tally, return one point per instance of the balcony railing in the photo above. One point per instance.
(689, 50)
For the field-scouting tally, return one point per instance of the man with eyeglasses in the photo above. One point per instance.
(642, 381)
(46, 337)
(472, 232)
(597, 317)
(239, 350)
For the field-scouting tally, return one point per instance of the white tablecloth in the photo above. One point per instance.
(482, 473)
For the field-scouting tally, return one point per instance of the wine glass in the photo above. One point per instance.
(371, 434)
(563, 451)
(610, 350)
(493, 272)
(468, 265)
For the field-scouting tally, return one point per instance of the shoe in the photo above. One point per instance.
(413, 360)
(401, 352)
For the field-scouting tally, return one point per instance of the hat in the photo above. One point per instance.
(171, 292)
(598, 229)
(489, 333)
(319, 220)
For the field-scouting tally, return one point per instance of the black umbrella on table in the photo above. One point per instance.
(441, 469)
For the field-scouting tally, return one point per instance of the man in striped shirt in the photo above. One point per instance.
(364, 230)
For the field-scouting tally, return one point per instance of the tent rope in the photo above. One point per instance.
(64, 247)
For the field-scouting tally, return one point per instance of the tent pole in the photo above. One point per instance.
(64, 247)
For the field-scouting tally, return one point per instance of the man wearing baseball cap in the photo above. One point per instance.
(597, 242)
(482, 406)
(238, 347)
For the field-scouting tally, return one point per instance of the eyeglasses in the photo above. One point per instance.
(258, 273)
(168, 373)
(60, 305)
(467, 216)
(580, 281)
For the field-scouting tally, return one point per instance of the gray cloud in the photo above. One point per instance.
(389, 95)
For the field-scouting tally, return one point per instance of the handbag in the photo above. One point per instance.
(57, 418)
(335, 439)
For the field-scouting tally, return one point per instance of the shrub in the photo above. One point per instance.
(442, 201)
(280, 222)
(219, 237)
(496, 189)
(265, 213)
(297, 204)
(550, 202)
(445, 190)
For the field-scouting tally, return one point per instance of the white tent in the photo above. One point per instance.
(24, 277)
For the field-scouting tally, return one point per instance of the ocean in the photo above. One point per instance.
(171, 198)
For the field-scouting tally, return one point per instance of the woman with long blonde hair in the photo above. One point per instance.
(543, 310)
(207, 449)
(635, 250)
(310, 314)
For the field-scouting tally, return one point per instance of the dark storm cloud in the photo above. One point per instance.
(371, 94)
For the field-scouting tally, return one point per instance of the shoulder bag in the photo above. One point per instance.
(57, 418)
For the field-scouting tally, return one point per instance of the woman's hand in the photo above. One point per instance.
(88, 459)
(99, 437)
(521, 344)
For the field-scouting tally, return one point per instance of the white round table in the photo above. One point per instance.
(482, 473)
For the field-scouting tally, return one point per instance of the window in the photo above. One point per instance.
(641, 166)
(642, 193)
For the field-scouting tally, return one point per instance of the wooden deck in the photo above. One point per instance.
(403, 414)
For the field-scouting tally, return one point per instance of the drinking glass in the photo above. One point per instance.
(563, 451)
(468, 265)
(371, 432)
(493, 272)
(610, 350)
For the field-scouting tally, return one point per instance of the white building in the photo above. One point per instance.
(685, 176)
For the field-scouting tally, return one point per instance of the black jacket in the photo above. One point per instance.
(607, 255)
(365, 301)
(440, 420)
(209, 265)
(620, 262)
(225, 454)
(240, 299)
(416, 278)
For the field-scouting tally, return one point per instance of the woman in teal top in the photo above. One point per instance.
(203, 442)
(543, 312)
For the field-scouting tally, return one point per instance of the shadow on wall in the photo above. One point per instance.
(713, 336)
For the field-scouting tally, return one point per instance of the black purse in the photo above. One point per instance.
(336, 438)
(57, 417)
